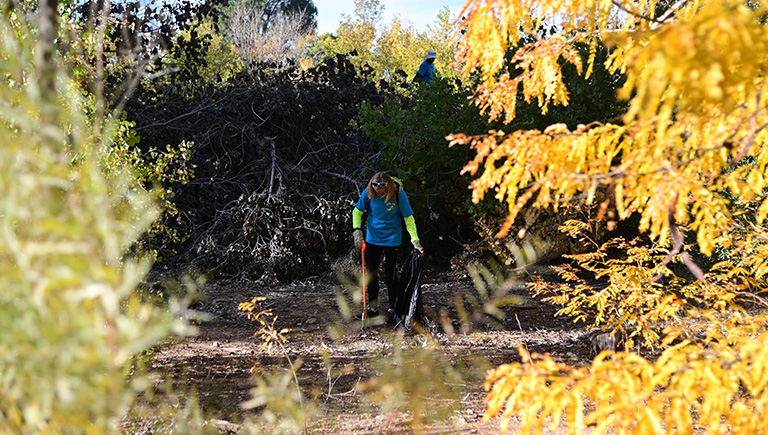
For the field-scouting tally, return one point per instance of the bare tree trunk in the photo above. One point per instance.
(46, 47)
(99, 84)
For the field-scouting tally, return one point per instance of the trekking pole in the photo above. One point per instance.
(365, 304)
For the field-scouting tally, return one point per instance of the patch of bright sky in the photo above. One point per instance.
(420, 13)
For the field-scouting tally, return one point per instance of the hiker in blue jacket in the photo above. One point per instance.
(427, 68)
(385, 202)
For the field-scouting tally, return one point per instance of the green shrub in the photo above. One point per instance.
(412, 127)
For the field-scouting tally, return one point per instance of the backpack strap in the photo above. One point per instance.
(399, 184)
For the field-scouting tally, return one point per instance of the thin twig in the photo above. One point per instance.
(184, 115)
(677, 239)
(668, 14)
(752, 130)
(530, 360)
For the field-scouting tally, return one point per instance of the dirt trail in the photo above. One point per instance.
(217, 362)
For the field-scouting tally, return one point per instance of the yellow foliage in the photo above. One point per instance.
(697, 62)
(270, 337)
(717, 383)
(553, 165)
(636, 295)
(540, 78)
(688, 158)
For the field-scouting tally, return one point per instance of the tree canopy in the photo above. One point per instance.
(695, 110)
(304, 8)
(385, 48)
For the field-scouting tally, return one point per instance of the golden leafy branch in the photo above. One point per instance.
(688, 157)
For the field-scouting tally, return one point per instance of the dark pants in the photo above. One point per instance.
(372, 262)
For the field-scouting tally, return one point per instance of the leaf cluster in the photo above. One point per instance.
(715, 383)
(156, 171)
(672, 138)
(112, 46)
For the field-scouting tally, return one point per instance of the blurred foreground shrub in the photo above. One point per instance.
(70, 320)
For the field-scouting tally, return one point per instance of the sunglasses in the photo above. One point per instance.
(379, 185)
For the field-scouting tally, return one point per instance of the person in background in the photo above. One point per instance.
(385, 203)
(427, 69)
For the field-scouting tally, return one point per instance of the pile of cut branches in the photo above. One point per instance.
(278, 160)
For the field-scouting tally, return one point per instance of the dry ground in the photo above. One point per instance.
(218, 362)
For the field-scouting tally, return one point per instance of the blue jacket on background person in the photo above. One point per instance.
(427, 69)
